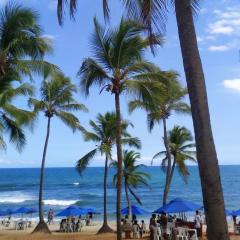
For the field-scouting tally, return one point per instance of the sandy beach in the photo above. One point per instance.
(88, 233)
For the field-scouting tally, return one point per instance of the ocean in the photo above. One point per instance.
(64, 186)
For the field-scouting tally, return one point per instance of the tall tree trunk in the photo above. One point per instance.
(170, 177)
(119, 169)
(42, 226)
(128, 202)
(206, 153)
(169, 162)
(105, 228)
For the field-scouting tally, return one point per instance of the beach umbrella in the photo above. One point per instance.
(22, 210)
(135, 210)
(70, 211)
(178, 205)
(9, 211)
(228, 212)
(2, 213)
(236, 213)
(91, 210)
(32, 210)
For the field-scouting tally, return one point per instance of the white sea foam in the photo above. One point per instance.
(15, 197)
(56, 202)
(76, 183)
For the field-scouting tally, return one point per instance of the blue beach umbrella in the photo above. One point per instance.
(236, 213)
(32, 210)
(9, 211)
(178, 205)
(135, 210)
(2, 213)
(91, 210)
(70, 211)
(22, 210)
(228, 212)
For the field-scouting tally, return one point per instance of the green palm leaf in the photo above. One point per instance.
(83, 162)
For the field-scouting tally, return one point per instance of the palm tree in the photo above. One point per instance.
(153, 14)
(22, 46)
(181, 150)
(118, 67)
(12, 118)
(56, 101)
(133, 176)
(104, 135)
(159, 108)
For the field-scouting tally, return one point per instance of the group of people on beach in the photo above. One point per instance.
(132, 226)
(161, 226)
(71, 224)
(75, 224)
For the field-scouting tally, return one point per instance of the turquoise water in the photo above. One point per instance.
(63, 186)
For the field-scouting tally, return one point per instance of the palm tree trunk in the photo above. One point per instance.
(169, 162)
(171, 176)
(105, 228)
(128, 202)
(42, 226)
(206, 153)
(119, 160)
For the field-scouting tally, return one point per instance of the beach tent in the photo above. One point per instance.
(135, 210)
(178, 205)
(71, 211)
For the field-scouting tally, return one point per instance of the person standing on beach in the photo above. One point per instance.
(50, 217)
(164, 223)
(135, 229)
(198, 223)
(154, 232)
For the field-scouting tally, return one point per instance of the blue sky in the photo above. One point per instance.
(218, 30)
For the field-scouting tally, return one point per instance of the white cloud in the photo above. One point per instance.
(226, 22)
(224, 47)
(50, 36)
(218, 48)
(200, 39)
(233, 84)
(4, 161)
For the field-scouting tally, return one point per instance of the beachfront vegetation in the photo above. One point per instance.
(104, 135)
(153, 14)
(22, 48)
(118, 66)
(181, 149)
(22, 44)
(12, 118)
(57, 100)
(159, 108)
(133, 177)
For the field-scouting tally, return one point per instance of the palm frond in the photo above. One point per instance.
(91, 73)
(135, 196)
(16, 134)
(83, 162)
(132, 142)
(69, 119)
